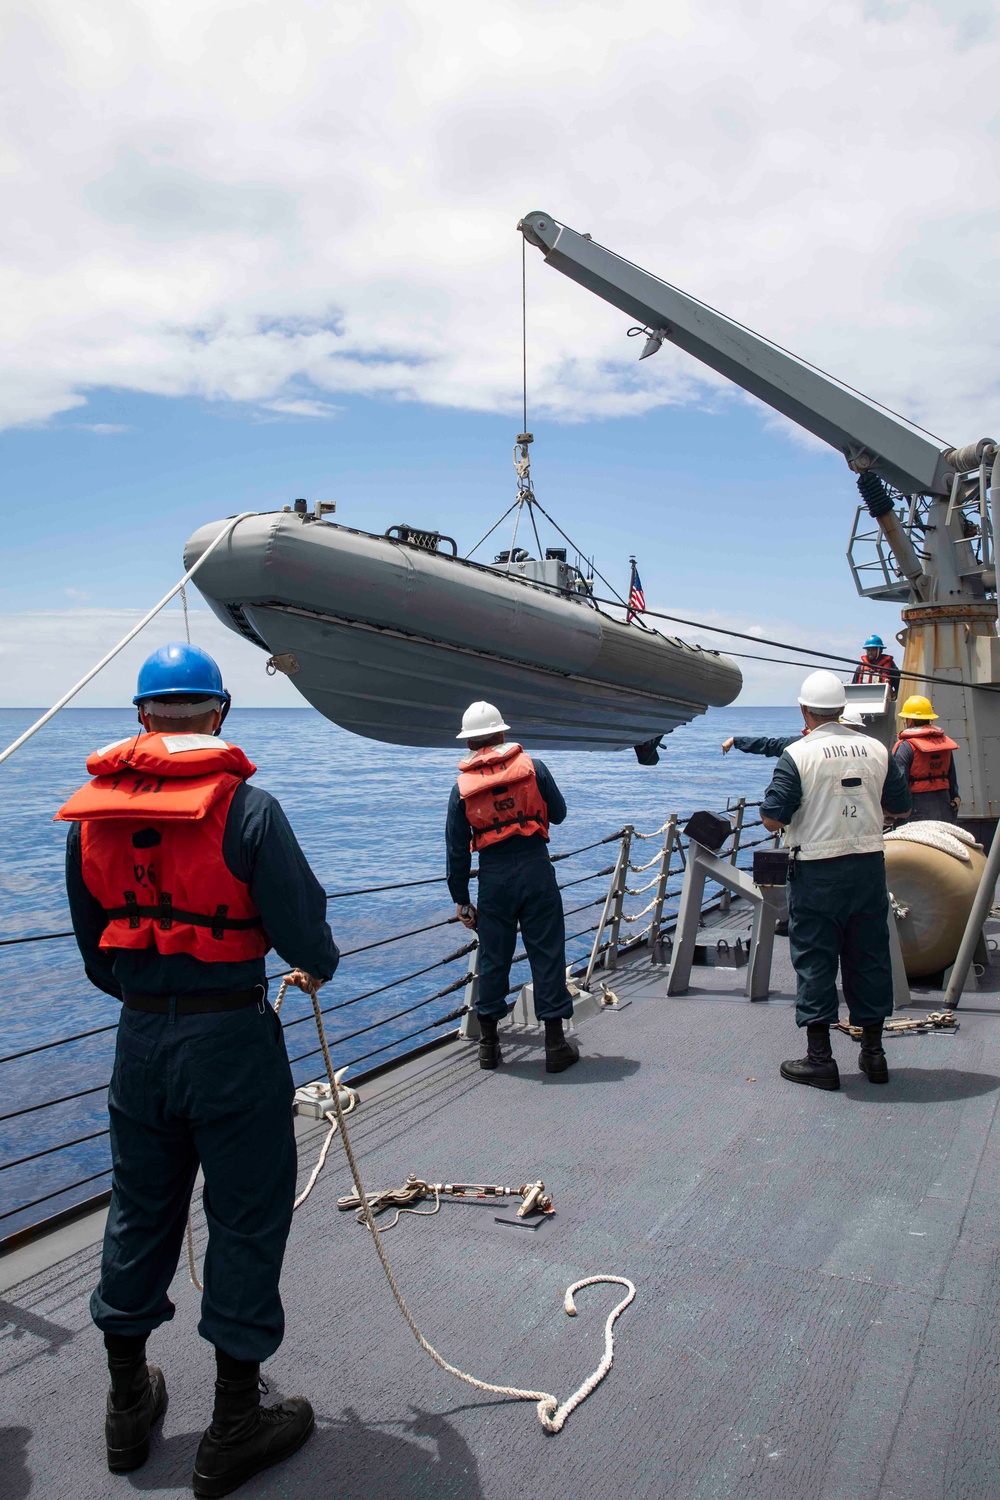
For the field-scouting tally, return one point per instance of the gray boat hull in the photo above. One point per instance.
(393, 642)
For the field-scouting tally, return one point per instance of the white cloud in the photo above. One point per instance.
(103, 429)
(324, 411)
(42, 654)
(249, 202)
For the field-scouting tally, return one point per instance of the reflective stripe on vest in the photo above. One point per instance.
(842, 774)
(878, 671)
(932, 752)
(151, 848)
(500, 792)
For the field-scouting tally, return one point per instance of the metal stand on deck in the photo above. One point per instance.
(769, 904)
(766, 900)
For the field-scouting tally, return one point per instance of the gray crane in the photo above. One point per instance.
(923, 535)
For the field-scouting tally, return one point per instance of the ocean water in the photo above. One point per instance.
(366, 815)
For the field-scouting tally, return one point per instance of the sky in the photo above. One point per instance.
(255, 250)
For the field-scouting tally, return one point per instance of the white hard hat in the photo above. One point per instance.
(853, 717)
(479, 720)
(824, 692)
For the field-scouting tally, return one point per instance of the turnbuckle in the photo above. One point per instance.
(414, 1190)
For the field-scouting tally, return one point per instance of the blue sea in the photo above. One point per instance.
(366, 815)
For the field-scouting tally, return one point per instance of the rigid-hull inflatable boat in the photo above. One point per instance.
(392, 638)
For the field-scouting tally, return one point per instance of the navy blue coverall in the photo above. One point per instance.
(517, 886)
(838, 912)
(213, 1088)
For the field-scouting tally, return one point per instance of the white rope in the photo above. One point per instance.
(192, 1263)
(655, 834)
(640, 914)
(640, 890)
(949, 838)
(551, 1414)
(22, 739)
(335, 1086)
(641, 869)
(420, 1213)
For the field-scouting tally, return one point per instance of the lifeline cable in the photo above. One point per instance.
(763, 640)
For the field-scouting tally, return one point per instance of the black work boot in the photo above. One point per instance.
(245, 1437)
(489, 1043)
(872, 1059)
(818, 1068)
(560, 1053)
(137, 1399)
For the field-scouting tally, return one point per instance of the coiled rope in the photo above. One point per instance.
(551, 1413)
(949, 838)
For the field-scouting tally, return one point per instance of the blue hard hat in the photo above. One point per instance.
(179, 668)
(874, 640)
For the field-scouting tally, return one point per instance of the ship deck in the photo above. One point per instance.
(817, 1274)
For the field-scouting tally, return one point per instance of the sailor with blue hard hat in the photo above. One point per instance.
(182, 681)
(180, 877)
(876, 665)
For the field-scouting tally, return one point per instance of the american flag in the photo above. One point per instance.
(636, 598)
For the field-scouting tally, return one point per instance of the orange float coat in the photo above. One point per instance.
(500, 792)
(883, 669)
(932, 752)
(152, 823)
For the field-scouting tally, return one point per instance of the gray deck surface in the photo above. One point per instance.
(817, 1311)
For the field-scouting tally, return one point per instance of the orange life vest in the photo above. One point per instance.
(932, 752)
(501, 796)
(152, 822)
(875, 671)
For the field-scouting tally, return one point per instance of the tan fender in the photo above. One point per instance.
(937, 892)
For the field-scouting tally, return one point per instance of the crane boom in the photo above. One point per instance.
(935, 553)
(868, 437)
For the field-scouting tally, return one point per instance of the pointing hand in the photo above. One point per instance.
(727, 745)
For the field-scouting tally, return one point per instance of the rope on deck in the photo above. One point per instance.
(551, 1413)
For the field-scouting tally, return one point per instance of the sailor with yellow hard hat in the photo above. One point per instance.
(926, 757)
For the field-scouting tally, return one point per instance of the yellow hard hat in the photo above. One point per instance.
(918, 707)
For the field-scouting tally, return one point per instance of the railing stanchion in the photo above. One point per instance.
(617, 878)
(655, 946)
(727, 896)
(610, 959)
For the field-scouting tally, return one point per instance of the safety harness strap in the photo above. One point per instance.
(166, 913)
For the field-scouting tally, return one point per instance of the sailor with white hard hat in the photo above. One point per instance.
(500, 809)
(831, 792)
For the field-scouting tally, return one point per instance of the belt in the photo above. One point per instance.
(196, 1002)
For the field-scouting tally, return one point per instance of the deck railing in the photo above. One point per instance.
(23, 1211)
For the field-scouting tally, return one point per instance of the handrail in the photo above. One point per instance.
(372, 890)
(379, 1023)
